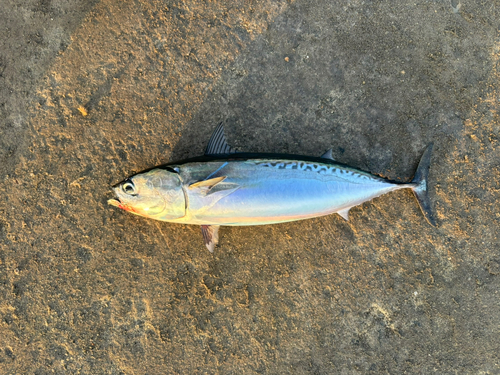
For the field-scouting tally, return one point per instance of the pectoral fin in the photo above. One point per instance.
(210, 235)
(207, 184)
(214, 185)
(344, 213)
(206, 187)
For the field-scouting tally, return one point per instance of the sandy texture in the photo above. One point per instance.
(91, 92)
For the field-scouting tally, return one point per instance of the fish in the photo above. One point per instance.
(225, 187)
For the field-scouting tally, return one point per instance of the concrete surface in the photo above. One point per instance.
(93, 91)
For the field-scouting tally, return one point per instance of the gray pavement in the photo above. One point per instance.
(94, 91)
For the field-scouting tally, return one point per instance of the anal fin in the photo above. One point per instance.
(210, 236)
(344, 213)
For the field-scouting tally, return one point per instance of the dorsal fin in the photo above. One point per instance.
(328, 155)
(217, 144)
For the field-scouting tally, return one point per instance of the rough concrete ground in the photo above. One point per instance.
(91, 92)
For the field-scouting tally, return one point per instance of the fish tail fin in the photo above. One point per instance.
(419, 183)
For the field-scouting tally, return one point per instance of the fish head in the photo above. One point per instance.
(156, 193)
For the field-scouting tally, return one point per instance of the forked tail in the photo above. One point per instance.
(420, 185)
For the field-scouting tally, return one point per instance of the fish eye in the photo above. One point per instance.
(129, 188)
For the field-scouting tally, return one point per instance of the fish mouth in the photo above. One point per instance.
(115, 202)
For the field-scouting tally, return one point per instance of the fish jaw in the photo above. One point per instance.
(116, 203)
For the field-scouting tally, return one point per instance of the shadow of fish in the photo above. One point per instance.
(225, 187)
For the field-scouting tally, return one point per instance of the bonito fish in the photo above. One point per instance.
(225, 187)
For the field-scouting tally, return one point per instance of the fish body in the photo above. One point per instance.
(228, 188)
(268, 190)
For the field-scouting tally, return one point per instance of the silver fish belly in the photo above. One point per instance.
(228, 188)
